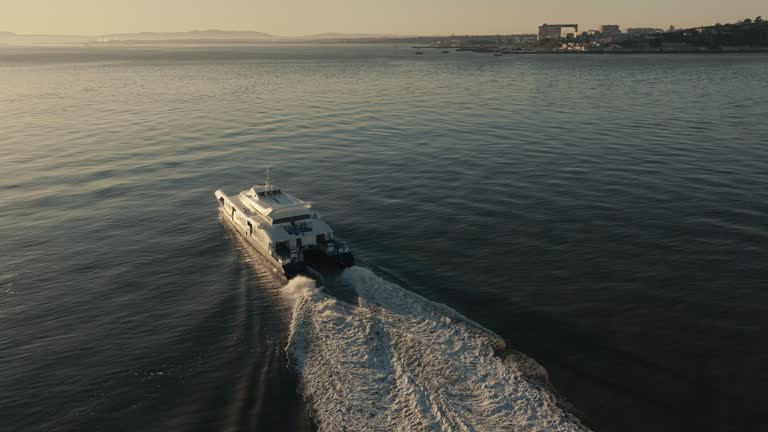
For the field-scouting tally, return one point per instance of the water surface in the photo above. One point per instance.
(605, 215)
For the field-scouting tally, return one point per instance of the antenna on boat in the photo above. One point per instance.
(268, 184)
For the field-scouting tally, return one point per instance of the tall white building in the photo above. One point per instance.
(554, 31)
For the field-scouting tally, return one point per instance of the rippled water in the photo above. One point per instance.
(605, 215)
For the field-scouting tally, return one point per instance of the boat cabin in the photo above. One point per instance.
(278, 222)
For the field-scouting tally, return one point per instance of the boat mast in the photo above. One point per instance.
(268, 184)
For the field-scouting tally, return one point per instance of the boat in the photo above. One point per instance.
(445, 52)
(284, 229)
(419, 52)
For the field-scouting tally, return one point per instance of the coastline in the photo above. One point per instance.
(490, 50)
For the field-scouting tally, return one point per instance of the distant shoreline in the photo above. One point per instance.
(483, 49)
(488, 50)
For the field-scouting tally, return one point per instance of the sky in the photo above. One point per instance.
(406, 17)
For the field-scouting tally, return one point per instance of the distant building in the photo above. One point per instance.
(554, 31)
(610, 30)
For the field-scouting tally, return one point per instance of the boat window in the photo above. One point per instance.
(290, 219)
(221, 200)
(297, 229)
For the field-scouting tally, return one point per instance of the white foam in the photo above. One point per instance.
(396, 361)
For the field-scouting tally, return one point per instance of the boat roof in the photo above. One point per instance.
(273, 203)
(280, 205)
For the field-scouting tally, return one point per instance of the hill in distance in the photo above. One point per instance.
(190, 35)
(194, 36)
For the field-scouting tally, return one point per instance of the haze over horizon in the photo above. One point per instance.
(401, 17)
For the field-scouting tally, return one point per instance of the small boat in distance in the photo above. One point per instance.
(419, 52)
(287, 231)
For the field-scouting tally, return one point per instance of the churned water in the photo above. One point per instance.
(605, 215)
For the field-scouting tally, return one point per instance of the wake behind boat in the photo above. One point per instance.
(287, 231)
